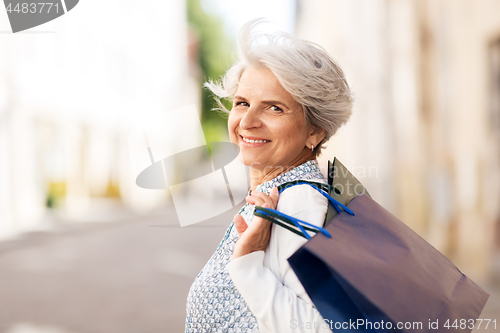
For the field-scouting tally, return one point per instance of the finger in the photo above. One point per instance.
(271, 199)
(254, 201)
(259, 226)
(257, 194)
(266, 222)
(260, 220)
(240, 224)
(263, 197)
(275, 195)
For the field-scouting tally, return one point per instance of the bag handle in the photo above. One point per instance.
(322, 186)
(337, 204)
(288, 222)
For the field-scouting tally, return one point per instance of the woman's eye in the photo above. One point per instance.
(276, 108)
(242, 104)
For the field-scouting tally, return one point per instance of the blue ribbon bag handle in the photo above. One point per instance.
(295, 225)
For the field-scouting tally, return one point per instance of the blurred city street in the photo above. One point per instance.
(125, 276)
(117, 276)
(92, 100)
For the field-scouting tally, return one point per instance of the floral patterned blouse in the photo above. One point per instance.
(214, 304)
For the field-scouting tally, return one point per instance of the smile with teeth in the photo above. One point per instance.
(254, 141)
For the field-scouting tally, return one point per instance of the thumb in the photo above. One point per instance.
(274, 195)
(240, 224)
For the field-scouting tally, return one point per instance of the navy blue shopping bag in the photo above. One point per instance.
(367, 271)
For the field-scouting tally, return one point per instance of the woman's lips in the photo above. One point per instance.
(253, 144)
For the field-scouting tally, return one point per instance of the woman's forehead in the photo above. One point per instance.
(262, 83)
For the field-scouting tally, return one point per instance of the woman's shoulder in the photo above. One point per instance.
(297, 189)
(302, 197)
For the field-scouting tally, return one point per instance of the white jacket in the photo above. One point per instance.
(266, 281)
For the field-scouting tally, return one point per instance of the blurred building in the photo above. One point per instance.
(71, 92)
(426, 77)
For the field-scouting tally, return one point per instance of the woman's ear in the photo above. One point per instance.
(318, 134)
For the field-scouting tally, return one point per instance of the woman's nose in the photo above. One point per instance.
(251, 118)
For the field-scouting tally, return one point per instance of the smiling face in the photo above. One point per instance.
(265, 113)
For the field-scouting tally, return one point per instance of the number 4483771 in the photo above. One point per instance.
(471, 323)
(33, 7)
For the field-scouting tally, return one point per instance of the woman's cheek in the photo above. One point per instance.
(231, 129)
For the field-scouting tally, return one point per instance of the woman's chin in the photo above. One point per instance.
(249, 161)
(240, 158)
(244, 159)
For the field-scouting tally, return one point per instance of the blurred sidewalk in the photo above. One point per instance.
(124, 276)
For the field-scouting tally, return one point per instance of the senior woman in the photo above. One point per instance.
(289, 98)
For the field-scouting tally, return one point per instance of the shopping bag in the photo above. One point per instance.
(342, 185)
(366, 271)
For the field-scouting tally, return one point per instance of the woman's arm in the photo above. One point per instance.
(256, 236)
(265, 280)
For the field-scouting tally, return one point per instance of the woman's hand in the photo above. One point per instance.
(256, 236)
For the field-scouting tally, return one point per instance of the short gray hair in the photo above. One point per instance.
(303, 68)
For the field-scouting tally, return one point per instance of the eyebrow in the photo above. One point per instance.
(269, 102)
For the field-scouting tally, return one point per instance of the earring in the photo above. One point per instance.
(312, 147)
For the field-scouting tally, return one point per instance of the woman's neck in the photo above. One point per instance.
(260, 176)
